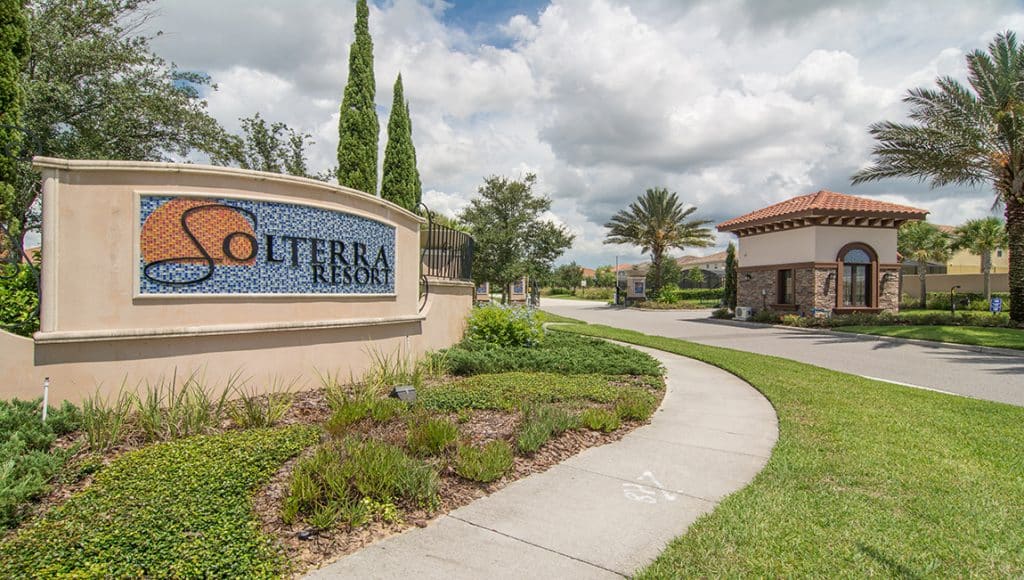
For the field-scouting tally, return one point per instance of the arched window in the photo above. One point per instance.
(859, 263)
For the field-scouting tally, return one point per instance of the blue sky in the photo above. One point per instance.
(482, 18)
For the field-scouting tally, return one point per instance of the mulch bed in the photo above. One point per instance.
(321, 547)
(325, 546)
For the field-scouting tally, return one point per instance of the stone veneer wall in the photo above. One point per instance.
(748, 292)
(889, 290)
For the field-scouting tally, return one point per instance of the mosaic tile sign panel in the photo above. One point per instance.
(193, 245)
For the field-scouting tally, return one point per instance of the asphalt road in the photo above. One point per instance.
(983, 375)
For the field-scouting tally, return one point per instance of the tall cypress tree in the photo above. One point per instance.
(401, 181)
(358, 126)
(730, 276)
(13, 51)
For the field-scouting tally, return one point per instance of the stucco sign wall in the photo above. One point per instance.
(219, 245)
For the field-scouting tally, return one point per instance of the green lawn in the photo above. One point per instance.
(981, 336)
(867, 479)
(573, 297)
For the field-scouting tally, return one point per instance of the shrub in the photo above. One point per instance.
(561, 353)
(27, 462)
(597, 419)
(669, 294)
(255, 410)
(504, 326)
(722, 314)
(19, 299)
(766, 316)
(178, 509)
(705, 294)
(484, 464)
(635, 405)
(431, 436)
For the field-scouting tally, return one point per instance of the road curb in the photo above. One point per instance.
(1009, 352)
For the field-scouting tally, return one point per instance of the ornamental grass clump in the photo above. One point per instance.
(635, 405)
(597, 419)
(505, 326)
(105, 419)
(484, 464)
(540, 424)
(431, 436)
(355, 480)
(254, 410)
(166, 410)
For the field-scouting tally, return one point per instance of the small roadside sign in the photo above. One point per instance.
(996, 305)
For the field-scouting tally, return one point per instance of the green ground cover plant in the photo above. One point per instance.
(867, 479)
(253, 410)
(19, 299)
(485, 463)
(559, 353)
(508, 391)
(993, 337)
(175, 509)
(27, 458)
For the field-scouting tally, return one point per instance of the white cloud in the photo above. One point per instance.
(733, 104)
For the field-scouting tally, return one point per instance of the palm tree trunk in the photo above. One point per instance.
(986, 269)
(922, 275)
(656, 264)
(1015, 233)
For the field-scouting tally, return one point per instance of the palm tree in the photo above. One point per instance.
(922, 242)
(657, 222)
(981, 237)
(969, 136)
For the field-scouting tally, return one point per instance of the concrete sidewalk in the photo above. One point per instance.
(605, 512)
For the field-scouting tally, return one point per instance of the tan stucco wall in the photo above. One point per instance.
(97, 333)
(88, 248)
(813, 244)
(830, 239)
(785, 247)
(944, 282)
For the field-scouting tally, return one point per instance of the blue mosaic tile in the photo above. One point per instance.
(298, 249)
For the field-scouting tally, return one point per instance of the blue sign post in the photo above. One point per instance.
(996, 305)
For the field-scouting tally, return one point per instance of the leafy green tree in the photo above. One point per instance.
(982, 237)
(14, 47)
(695, 276)
(730, 276)
(95, 90)
(657, 222)
(358, 125)
(569, 276)
(967, 135)
(511, 238)
(604, 277)
(273, 147)
(400, 182)
(670, 272)
(922, 242)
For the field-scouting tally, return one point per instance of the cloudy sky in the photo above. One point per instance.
(733, 104)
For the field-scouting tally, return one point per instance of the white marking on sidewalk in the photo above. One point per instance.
(644, 494)
(914, 386)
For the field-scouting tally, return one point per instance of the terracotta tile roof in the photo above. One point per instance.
(697, 260)
(822, 203)
(589, 272)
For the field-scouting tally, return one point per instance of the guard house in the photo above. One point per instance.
(819, 254)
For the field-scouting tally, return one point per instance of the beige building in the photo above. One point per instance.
(819, 254)
(964, 262)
